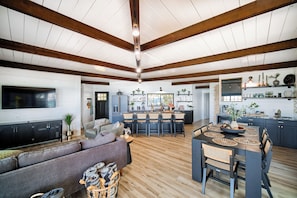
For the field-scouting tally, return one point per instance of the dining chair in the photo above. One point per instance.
(141, 121)
(129, 121)
(153, 120)
(166, 120)
(264, 137)
(266, 161)
(179, 123)
(219, 159)
(199, 130)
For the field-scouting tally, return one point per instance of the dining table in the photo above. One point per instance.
(245, 143)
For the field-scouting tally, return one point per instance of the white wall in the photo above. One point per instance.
(68, 96)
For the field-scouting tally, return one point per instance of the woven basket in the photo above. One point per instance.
(104, 192)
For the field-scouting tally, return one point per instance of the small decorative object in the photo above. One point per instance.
(289, 80)
(234, 114)
(253, 106)
(275, 82)
(127, 131)
(119, 93)
(184, 90)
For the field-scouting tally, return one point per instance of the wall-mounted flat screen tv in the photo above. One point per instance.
(15, 97)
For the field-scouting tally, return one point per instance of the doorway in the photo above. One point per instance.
(206, 106)
(101, 105)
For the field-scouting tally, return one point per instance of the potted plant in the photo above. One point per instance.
(68, 120)
(234, 114)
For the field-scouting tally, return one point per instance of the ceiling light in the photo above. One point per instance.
(139, 80)
(135, 30)
(138, 70)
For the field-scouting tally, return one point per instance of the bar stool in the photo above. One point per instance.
(129, 121)
(141, 120)
(166, 119)
(153, 119)
(178, 123)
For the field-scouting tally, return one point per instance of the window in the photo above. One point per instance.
(231, 90)
(101, 96)
(158, 99)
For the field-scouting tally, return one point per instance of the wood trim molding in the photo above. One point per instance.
(283, 45)
(202, 87)
(43, 13)
(56, 70)
(228, 71)
(247, 11)
(196, 81)
(61, 55)
(94, 82)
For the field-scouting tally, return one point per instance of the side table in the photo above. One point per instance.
(129, 140)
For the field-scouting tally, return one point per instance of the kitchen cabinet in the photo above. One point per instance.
(282, 132)
(188, 117)
(251, 121)
(21, 134)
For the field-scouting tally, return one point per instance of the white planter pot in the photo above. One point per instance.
(234, 125)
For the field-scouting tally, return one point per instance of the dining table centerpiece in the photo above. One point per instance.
(235, 114)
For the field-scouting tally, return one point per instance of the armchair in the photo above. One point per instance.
(102, 125)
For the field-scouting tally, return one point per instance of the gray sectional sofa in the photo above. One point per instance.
(61, 166)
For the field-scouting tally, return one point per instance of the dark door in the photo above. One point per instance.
(101, 105)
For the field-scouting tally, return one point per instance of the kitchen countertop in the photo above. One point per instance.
(263, 117)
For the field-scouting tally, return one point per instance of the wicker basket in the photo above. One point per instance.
(103, 191)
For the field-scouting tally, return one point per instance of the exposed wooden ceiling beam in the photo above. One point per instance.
(94, 82)
(283, 45)
(227, 71)
(202, 87)
(196, 81)
(247, 11)
(55, 54)
(43, 13)
(56, 70)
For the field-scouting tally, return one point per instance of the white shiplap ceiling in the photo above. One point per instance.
(157, 18)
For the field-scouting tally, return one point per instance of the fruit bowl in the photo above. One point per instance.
(227, 129)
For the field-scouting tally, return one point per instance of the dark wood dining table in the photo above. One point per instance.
(246, 144)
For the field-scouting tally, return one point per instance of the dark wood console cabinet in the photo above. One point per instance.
(188, 117)
(21, 134)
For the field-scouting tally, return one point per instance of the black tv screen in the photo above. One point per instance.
(15, 97)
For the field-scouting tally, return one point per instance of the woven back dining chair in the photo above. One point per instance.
(219, 159)
(266, 161)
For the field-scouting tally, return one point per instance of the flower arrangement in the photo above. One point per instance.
(234, 113)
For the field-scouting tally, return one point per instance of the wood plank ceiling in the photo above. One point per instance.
(184, 42)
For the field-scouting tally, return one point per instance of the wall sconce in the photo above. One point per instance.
(89, 102)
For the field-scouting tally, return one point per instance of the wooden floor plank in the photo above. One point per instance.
(162, 167)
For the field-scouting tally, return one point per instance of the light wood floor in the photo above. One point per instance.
(162, 167)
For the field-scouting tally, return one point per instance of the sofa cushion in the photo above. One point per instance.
(37, 156)
(8, 164)
(100, 139)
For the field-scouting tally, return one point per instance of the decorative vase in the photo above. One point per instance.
(234, 124)
(276, 83)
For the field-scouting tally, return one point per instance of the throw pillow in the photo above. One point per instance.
(116, 125)
(100, 139)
